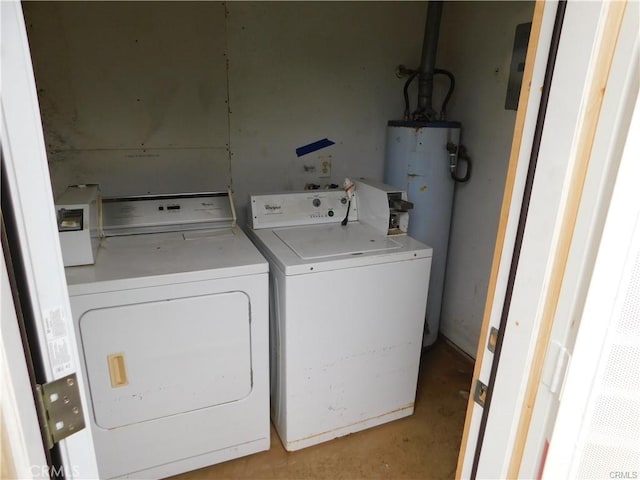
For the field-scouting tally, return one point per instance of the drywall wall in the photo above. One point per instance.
(303, 71)
(476, 42)
(133, 94)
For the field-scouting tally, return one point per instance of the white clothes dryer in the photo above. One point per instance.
(172, 322)
(347, 316)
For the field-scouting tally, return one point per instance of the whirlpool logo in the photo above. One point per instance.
(272, 208)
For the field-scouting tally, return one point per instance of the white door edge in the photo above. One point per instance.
(27, 176)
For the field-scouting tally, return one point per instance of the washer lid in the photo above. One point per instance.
(335, 240)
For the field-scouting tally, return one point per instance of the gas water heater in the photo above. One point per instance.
(418, 161)
(422, 153)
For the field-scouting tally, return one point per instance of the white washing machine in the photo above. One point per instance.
(348, 304)
(172, 321)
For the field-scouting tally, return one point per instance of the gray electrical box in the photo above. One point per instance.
(516, 72)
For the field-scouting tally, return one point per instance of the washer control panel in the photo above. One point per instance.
(301, 208)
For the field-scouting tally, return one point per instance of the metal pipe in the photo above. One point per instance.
(428, 60)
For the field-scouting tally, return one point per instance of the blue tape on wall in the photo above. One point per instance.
(312, 147)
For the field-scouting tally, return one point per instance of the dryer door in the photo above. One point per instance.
(154, 359)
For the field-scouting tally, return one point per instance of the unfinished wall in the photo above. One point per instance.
(304, 71)
(133, 94)
(476, 41)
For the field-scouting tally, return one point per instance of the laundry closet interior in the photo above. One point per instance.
(161, 99)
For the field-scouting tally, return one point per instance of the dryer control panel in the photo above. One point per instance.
(309, 207)
(167, 213)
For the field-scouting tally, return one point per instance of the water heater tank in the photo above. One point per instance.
(417, 161)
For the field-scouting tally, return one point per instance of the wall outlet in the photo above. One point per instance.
(324, 170)
(320, 167)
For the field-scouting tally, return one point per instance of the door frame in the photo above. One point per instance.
(585, 52)
(31, 198)
(23, 456)
(525, 123)
(611, 285)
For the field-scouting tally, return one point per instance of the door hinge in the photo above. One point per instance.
(556, 369)
(60, 408)
(493, 339)
(480, 393)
